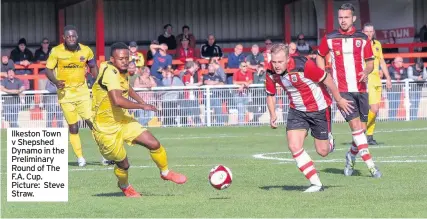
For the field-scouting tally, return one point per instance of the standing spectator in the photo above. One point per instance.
(303, 47)
(243, 77)
(23, 56)
(211, 78)
(185, 53)
(259, 104)
(234, 60)
(11, 104)
(133, 72)
(398, 73)
(189, 104)
(210, 49)
(170, 98)
(418, 73)
(267, 53)
(167, 37)
(423, 38)
(161, 60)
(149, 53)
(53, 111)
(6, 64)
(144, 80)
(186, 34)
(293, 49)
(135, 56)
(41, 55)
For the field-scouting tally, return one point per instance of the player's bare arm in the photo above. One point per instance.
(320, 61)
(368, 69)
(386, 73)
(343, 104)
(271, 105)
(135, 96)
(51, 76)
(118, 100)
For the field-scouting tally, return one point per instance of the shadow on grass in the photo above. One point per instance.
(87, 164)
(291, 188)
(111, 194)
(339, 171)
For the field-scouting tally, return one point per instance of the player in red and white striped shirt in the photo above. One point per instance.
(350, 51)
(310, 104)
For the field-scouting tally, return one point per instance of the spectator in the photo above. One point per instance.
(418, 73)
(170, 98)
(234, 60)
(149, 53)
(133, 72)
(135, 56)
(243, 78)
(423, 38)
(22, 55)
(189, 104)
(391, 40)
(219, 70)
(267, 53)
(255, 59)
(6, 64)
(161, 60)
(259, 106)
(303, 47)
(41, 55)
(53, 111)
(185, 53)
(167, 37)
(144, 80)
(212, 78)
(186, 34)
(397, 73)
(210, 49)
(11, 104)
(293, 49)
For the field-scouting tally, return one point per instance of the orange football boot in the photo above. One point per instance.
(130, 192)
(175, 177)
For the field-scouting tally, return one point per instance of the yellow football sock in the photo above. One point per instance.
(76, 144)
(371, 123)
(160, 158)
(122, 176)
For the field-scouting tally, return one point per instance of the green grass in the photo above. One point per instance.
(261, 188)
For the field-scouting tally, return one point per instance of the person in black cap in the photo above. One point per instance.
(22, 55)
(135, 56)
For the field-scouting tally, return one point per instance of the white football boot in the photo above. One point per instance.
(314, 188)
(81, 162)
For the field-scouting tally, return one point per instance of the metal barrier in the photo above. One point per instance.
(207, 106)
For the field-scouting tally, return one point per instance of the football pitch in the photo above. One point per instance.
(266, 181)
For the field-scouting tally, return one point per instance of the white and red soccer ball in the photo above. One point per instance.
(220, 177)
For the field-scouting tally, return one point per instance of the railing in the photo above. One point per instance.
(208, 106)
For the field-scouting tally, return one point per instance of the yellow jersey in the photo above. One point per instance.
(71, 68)
(374, 77)
(108, 118)
(138, 58)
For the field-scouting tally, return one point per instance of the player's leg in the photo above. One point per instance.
(72, 118)
(296, 130)
(121, 172)
(358, 133)
(374, 105)
(136, 134)
(320, 126)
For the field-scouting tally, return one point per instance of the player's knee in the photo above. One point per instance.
(374, 108)
(323, 152)
(73, 128)
(123, 164)
(153, 145)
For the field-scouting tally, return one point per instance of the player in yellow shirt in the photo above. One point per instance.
(70, 59)
(113, 125)
(374, 82)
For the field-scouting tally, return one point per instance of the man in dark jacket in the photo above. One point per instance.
(210, 49)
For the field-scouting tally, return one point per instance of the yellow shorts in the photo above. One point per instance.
(111, 146)
(73, 111)
(374, 94)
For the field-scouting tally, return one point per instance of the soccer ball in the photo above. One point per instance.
(220, 177)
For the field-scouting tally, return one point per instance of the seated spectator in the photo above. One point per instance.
(255, 59)
(144, 80)
(149, 53)
(293, 49)
(189, 104)
(167, 37)
(170, 98)
(185, 53)
(212, 78)
(186, 34)
(135, 56)
(267, 53)
(303, 47)
(210, 49)
(397, 73)
(41, 55)
(219, 70)
(418, 73)
(22, 55)
(133, 72)
(243, 77)
(391, 40)
(11, 104)
(6, 64)
(53, 110)
(161, 60)
(234, 60)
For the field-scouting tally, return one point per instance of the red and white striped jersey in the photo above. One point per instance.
(349, 51)
(301, 83)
